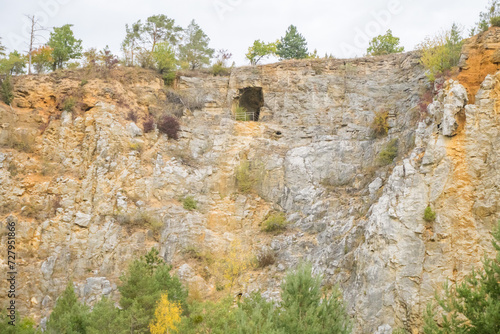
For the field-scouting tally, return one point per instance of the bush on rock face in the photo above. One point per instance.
(170, 126)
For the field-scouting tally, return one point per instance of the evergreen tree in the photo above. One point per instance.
(305, 310)
(64, 46)
(209, 317)
(485, 18)
(105, 318)
(472, 306)
(384, 45)
(130, 44)
(195, 51)
(159, 28)
(22, 325)
(292, 46)
(255, 315)
(69, 316)
(143, 284)
(6, 90)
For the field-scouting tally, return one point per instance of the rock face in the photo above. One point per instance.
(91, 189)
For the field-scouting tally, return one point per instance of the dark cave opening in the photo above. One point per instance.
(252, 99)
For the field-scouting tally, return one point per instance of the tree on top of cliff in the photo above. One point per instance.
(384, 45)
(486, 17)
(13, 64)
(441, 52)
(159, 28)
(64, 46)
(292, 46)
(260, 50)
(194, 51)
(130, 44)
(472, 306)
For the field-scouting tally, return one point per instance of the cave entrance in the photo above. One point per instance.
(250, 100)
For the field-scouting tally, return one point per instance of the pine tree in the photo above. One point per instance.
(292, 46)
(106, 318)
(143, 284)
(472, 306)
(255, 315)
(69, 316)
(305, 310)
(195, 51)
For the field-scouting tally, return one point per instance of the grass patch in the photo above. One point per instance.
(266, 257)
(387, 155)
(22, 142)
(141, 220)
(244, 177)
(240, 114)
(275, 222)
(135, 146)
(69, 104)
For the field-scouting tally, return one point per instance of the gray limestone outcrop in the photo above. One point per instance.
(93, 190)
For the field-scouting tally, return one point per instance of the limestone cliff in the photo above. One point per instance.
(90, 190)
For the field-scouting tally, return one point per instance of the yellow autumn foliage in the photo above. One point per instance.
(167, 316)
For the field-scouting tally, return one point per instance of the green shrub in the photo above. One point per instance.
(240, 114)
(429, 214)
(276, 222)
(7, 90)
(244, 178)
(441, 53)
(379, 124)
(189, 203)
(220, 70)
(495, 21)
(388, 153)
(169, 78)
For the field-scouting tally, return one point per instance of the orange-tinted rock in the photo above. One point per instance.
(481, 55)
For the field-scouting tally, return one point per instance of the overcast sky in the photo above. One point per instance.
(340, 27)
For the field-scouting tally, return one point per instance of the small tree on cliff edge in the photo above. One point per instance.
(64, 46)
(292, 46)
(472, 306)
(384, 45)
